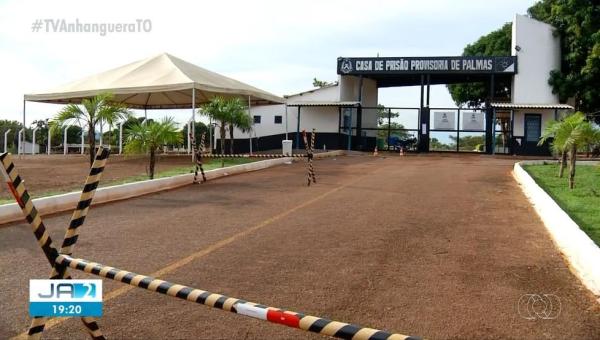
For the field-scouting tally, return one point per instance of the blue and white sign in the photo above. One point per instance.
(65, 298)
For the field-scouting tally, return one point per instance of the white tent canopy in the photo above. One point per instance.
(159, 82)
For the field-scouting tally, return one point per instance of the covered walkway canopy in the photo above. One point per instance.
(159, 82)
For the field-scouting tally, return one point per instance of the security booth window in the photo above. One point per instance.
(256, 119)
(278, 119)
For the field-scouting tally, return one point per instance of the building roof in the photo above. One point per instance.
(313, 90)
(531, 106)
(159, 82)
(322, 103)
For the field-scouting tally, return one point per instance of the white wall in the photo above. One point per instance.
(519, 119)
(349, 91)
(539, 54)
(324, 119)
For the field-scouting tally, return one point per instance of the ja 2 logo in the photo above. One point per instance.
(65, 298)
(72, 290)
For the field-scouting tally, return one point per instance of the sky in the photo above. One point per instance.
(277, 46)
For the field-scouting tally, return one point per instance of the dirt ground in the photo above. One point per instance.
(45, 174)
(440, 246)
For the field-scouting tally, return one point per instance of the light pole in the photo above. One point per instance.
(65, 149)
(21, 149)
(33, 140)
(82, 140)
(49, 141)
(5, 140)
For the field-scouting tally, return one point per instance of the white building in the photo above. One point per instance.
(353, 100)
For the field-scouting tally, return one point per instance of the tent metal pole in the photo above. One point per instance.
(121, 137)
(49, 148)
(250, 114)
(298, 129)
(210, 130)
(193, 124)
(23, 147)
(286, 122)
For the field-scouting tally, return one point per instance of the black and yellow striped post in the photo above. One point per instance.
(72, 234)
(275, 315)
(198, 154)
(309, 152)
(199, 161)
(17, 187)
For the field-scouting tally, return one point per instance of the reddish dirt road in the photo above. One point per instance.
(437, 246)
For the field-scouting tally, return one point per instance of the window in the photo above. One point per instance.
(533, 127)
(278, 119)
(256, 119)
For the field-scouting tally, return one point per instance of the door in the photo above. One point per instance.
(533, 131)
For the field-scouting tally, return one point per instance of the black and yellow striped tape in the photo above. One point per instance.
(22, 197)
(251, 309)
(254, 155)
(17, 188)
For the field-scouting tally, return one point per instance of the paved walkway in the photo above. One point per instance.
(437, 246)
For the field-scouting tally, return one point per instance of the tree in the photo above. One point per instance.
(568, 136)
(91, 112)
(14, 127)
(577, 23)
(199, 129)
(216, 110)
(148, 137)
(238, 118)
(230, 113)
(496, 43)
(321, 83)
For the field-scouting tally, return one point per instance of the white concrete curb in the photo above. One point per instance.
(58, 203)
(582, 254)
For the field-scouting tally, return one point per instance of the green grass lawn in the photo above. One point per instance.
(581, 203)
(208, 165)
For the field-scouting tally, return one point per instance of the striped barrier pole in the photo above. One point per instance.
(309, 152)
(71, 236)
(18, 190)
(254, 155)
(199, 157)
(234, 305)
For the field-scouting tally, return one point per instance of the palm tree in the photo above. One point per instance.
(91, 112)
(569, 135)
(556, 132)
(150, 136)
(238, 118)
(216, 109)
